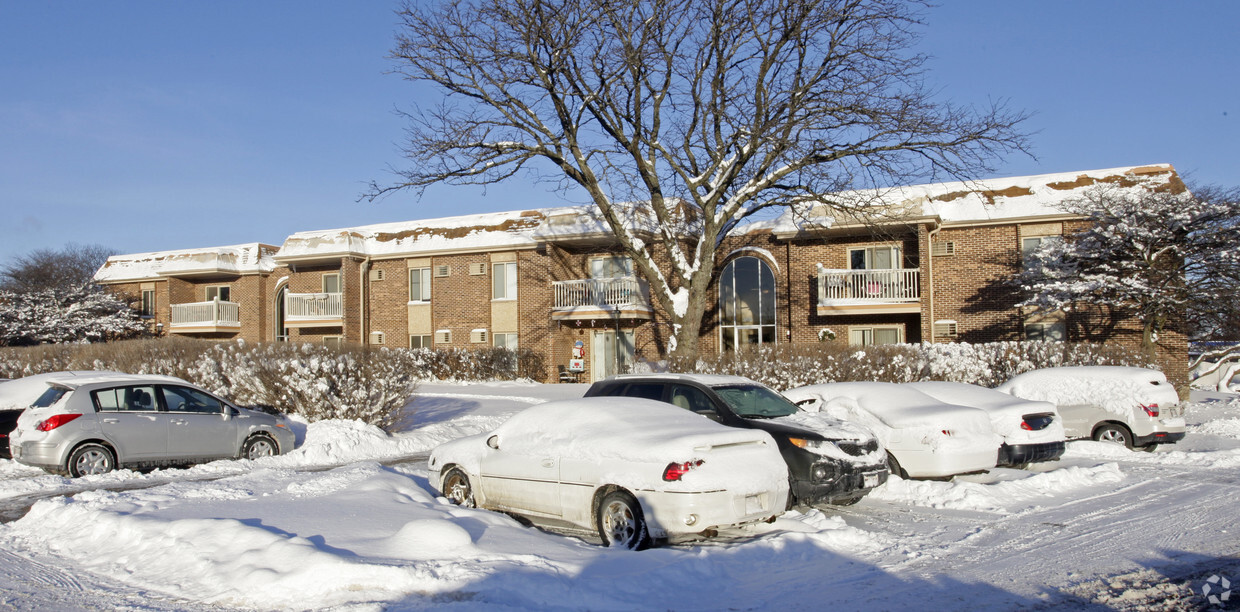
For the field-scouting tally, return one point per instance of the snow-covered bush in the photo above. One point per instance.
(60, 315)
(313, 380)
(789, 366)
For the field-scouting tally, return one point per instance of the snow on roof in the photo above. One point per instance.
(481, 231)
(982, 200)
(249, 258)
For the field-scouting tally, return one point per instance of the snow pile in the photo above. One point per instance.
(1166, 455)
(1001, 496)
(1228, 428)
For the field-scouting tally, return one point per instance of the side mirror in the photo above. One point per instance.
(230, 412)
(493, 442)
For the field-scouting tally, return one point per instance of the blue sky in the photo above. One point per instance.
(147, 125)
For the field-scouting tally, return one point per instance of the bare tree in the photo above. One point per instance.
(69, 268)
(1161, 253)
(702, 112)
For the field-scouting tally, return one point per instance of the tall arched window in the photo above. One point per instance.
(746, 304)
(281, 330)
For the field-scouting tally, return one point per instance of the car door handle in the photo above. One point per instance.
(111, 420)
(548, 463)
(179, 421)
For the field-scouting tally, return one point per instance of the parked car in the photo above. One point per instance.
(17, 395)
(924, 437)
(1032, 431)
(631, 470)
(94, 423)
(828, 460)
(1135, 407)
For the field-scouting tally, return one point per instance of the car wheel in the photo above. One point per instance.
(257, 447)
(457, 489)
(91, 459)
(621, 523)
(1111, 432)
(893, 466)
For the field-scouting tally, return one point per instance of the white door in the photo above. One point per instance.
(612, 353)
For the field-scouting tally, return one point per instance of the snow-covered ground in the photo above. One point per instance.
(347, 521)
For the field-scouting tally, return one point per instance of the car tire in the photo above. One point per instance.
(620, 522)
(89, 459)
(1148, 448)
(1114, 433)
(457, 489)
(258, 446)
(893, 466)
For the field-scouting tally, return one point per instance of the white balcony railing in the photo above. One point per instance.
(313, 307)
(600, 292)
(868, 286)
(206, 314)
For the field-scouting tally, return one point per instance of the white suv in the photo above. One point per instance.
(1135, 407)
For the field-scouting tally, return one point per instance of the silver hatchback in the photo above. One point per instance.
(94, 424)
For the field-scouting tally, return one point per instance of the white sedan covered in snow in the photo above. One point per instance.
(924, 437)
(1032, 431)
(631, 470)
(1136, 407)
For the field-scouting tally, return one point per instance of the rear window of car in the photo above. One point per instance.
(49, 397)
(652, 391)
(139, 399)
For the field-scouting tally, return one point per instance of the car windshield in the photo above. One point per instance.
(755, 401)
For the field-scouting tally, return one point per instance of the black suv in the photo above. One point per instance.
(830, 463)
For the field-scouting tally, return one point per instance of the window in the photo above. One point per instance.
(183, 399)
(148, 303)
(693, 399)
(1031, 244)
(504, 281)
(651, 391)
(611, 266)
(505, 341)
(125, 399)
(419, 284)
(333, 341)
(875, 258)
(219, 292)
(420, 341)
(331, 283)
(1051, 331)
(746, 304)
(866, 336)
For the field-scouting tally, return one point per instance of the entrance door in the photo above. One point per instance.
(611, 354)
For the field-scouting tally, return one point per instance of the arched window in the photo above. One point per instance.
(746, 304)
(281, 330)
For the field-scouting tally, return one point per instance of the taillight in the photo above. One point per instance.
(1025, 426)
(1151, 409)
(674, 471)
(947, 432)
(55, 421)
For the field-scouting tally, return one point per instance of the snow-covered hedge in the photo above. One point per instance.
(315, 381)
(789, 366)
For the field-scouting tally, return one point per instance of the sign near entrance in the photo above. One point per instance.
(576, 365)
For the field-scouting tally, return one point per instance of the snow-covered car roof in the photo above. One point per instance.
(20, 393)
(980, 397)
(710, 380)
(618, 427)
(895, 405)
(1112, 387)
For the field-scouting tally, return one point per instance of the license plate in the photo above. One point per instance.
(871, 481)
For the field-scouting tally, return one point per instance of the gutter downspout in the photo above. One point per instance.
(363, 286)
(930, 275)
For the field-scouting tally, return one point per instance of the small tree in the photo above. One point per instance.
(1158, 253)
(703, 112)
(66, 269)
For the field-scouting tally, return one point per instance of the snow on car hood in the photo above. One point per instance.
(897, 413)
(1115, 389)
(832, 428)
(1006, 412)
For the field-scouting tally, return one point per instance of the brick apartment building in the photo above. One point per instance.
(923, 263)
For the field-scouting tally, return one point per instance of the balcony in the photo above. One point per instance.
(313, 310)
(594, 298)
(205, 317)
(868, 291)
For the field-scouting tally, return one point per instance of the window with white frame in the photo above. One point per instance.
(419, 284)
(746, 304)
(611, 266)
(884, 257)
(219, 292)
(505, 341)
(504, 281)
(331, 283)
(877, 334)
(148, 303)
(419, 341)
